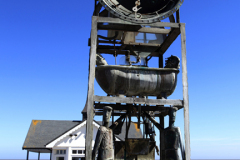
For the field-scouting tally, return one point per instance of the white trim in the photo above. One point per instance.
(52, 144)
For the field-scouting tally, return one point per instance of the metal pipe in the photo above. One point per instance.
(27, 154)
(38, 155)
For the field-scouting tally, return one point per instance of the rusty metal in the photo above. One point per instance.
(141, 11)
(120, 147)
(136, 81)
(137, 146)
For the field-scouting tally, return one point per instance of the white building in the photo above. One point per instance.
(65, 140)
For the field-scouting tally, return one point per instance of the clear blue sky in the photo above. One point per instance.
(44, 70)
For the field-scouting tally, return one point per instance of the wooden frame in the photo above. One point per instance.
(173, 33)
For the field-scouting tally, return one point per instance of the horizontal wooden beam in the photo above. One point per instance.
(119, 107)
(130, 43)
(140, 48)
(119, 21)
(134, 28)
(131, 100)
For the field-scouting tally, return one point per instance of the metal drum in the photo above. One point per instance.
(136, 81)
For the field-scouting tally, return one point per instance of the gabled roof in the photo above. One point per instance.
(42, 132)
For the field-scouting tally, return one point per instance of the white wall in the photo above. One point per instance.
(73, 143)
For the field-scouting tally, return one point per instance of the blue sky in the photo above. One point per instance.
(44, 71)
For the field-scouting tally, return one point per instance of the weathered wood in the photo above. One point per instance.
(109, 51)
(178, 16)
(130, 43)
(167, 42)
(97, 9)
(119, 21)
(131, 100)
(171, 18)
(121, 107)
(185, 93)
(140, 48)
(161, 119)
(134, 28)
(91, 78)
(142, 44)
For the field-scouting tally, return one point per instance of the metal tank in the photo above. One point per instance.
(136, 81)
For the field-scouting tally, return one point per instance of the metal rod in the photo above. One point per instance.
(38, 155)
(27, 154)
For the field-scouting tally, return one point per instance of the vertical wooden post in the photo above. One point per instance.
(161, 119)
(185, 92)
(27, 154)
(51, 155)
(90, 96)
(38, 155)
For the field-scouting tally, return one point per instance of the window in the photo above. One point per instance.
(61, 152)
(74, 151)
(60, 158)
(78, 151)
(78, 158)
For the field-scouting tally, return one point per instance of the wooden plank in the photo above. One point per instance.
(134, 28)
(119, 107)
(109, 51)
(135, 48)
(91, 78)
(167, 43)
(131, 100)
(119, 21)
(130, 43)
(185, 93)
(142, 44)
(162, 156)
(113, 99)
(178, 16)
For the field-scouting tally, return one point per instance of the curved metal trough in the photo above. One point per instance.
(136, 81)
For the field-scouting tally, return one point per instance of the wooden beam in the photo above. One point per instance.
(167, 42)
(119, 107)
(185, 93)
(119, 21)
(178, 16)
(131, 100)
(140, 48)
(90, 95)
(109, 51)
(133, 28)
(161, 119)
(130, 43)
